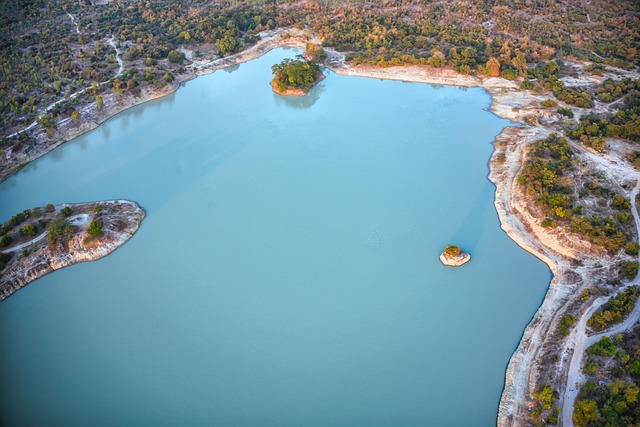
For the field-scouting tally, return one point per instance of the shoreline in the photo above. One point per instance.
(507, 158)
(514, 395)
(119, 221)
(292, 91)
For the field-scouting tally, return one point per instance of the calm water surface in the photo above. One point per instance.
(287, 272)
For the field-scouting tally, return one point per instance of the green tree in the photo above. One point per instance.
(99, 102)
(95, 229)
(585, 412)
(58, 229)
(28, 230)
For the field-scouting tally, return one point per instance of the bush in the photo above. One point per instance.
(452, 251)
(628, 270)
(565, 323)
(5, 241)
(631, 248)
(527, 85)
(66, 211)
(604, 347)
(615, 310)
(58, 229)
(509, 74)
(567, 112)
(175, 56)
(28, 230)
(95, 229)
(49, 208)
(4, 259)
(548, 103)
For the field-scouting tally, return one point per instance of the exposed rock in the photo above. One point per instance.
(120, 218)
(455, 261)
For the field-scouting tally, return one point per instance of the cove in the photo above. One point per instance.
(287, 272)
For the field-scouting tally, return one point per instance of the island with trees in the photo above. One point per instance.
(40, 240)
(452, 256)
(294, 77)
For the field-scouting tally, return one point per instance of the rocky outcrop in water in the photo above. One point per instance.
(31, 260)
(452, 256)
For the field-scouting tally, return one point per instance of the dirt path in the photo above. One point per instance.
(579, 337)
(73, 21)
(75, 220)
(76, 94)
(120, 63)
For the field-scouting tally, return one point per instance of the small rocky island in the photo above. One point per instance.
(294, 77)
(41, 240)
(452, 256)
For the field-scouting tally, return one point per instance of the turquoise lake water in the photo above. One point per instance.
(287, 272)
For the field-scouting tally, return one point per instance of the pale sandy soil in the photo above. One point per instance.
(575, 264)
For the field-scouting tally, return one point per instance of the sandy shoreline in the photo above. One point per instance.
(509, 102)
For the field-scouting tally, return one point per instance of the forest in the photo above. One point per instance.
(46, 57)
(614, 402)
(546, 178)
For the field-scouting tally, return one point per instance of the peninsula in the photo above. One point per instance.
(41, 240)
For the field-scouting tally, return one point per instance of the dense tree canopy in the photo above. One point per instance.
(295, 73)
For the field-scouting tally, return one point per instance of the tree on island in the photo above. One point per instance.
(294, 73)
(59, 229)
(452, 251)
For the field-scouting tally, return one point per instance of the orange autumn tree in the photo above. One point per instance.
(493, 67)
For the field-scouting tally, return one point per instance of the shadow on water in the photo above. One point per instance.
(471, 230)
(232, 68)
(301, 102)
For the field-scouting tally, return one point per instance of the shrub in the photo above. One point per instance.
(567, 112)
(509, 74)
(615, 310)
(49, 208)
(58, 229)
(5, 241)
(631, 248)
(28, 230)
(95, 228)
(604, 347)
(565, 324)
(4, 259)
(628, 270)
(527, 85)
(452, 251)
(548, 103)
(175, 56)
(66, 211)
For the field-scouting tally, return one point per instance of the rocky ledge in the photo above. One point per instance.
(452, 256)
(69, 234)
